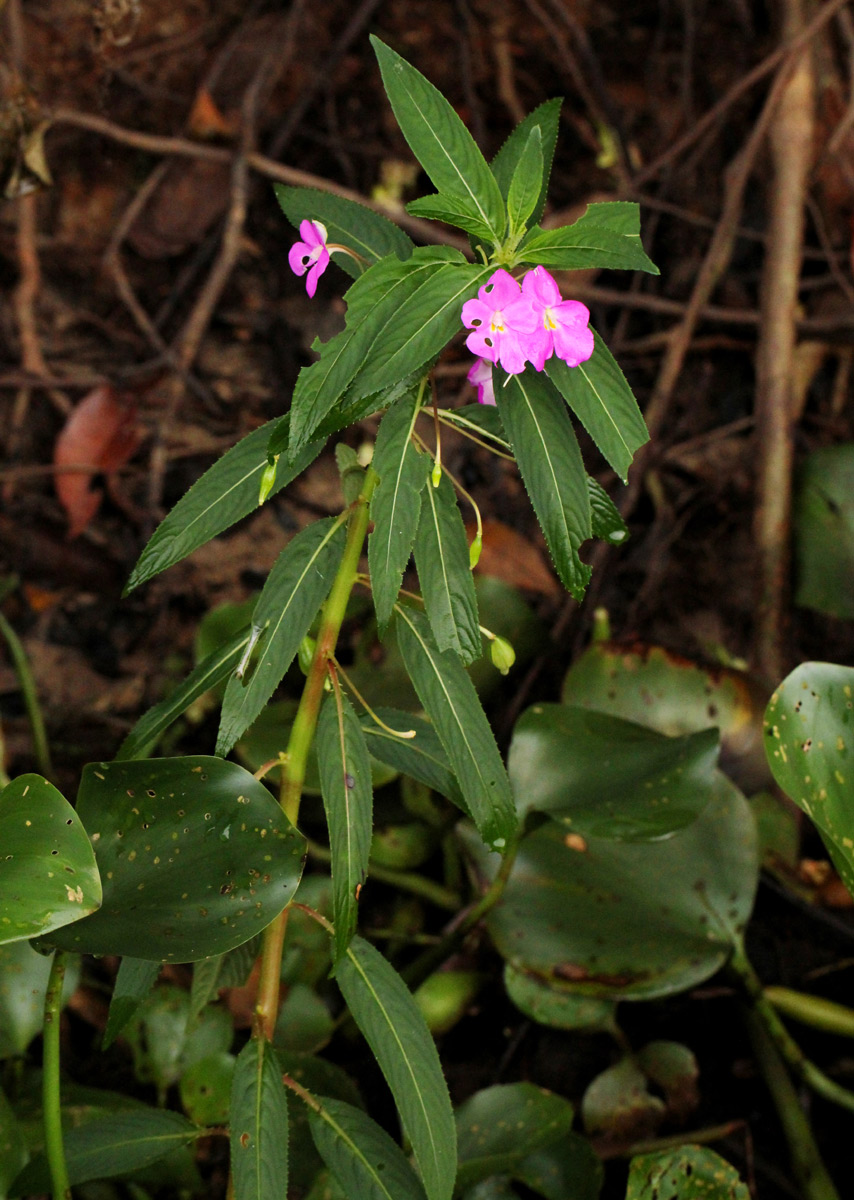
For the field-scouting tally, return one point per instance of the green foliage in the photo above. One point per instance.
(687, 1173)
(259, 1125)
(135, 979)
(361, 1155)
(368, 233)
(498, 1127)
(546, 118)
(823, 527)
(442, 560)
(607, 235)
(23, 980)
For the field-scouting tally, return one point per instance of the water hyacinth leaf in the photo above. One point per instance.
(618, 1105)
(23, 981)
(368, 233)
(551, 1002)
(686, 1173)
(48, 876)
(439, 139)
(598, 394)
(549, 459)
(396, 502)
(809, 727)
(295, 589)
(524, 191)
(605, 520)
(383, 1008)
(673, 1068)
(452, 705)
(134, 981)
(110, 1147)
(361, 1155)
(453, 211)
(259, 1125)
(593, 914)
(345, 782)
(606, 235)
(498, 1127)
(569, 1167)
(213, 669)
(823, 521)
(444, 572)
(604, 777)
(226, 492)
(422, 757)
(195, 854)
(546, 118)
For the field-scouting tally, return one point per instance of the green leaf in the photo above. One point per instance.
(361, 1155)
(498, 1127)
(205, 1089)
(569, 1167)
(593, 912)
(618, 1105)
(304, 1023)
(439, 139)
(809, 726)
(606, 235)
(823, 525)
(226, 492)
(481, 419)
(111, 1147)
(163, 1042)
(546, 118)
(212, 670)
(609, 778)
(452, 211)
(259, 1125)
(396, 502)
(195, 854)
(317, 1076)
(598, 394)
(422, 757)
(552, 1002)
(371, 235)
(345, 780)
(134, 981)
(13, 1146)
(295, 589)
(605, 520)
(524, 192)
(549, 459)
(452, 705)
(23, 981)
(383, 1008)
(48, 876)
(442, 560)
(687, 1173)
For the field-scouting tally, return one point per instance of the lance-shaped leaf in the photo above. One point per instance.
(195, 855)
(217, 666)
(605, 520)
(383, 1008)
(452, 705)
(524, 191)
(607, 235)
(598, 394)
(259, 1125)
(111, 1146)
(48, 876)
(226, 492)
(452, 211)
(444, 571)
(481, 419)
(295, 589)
(549, 459)
(361, 1155)
(134, 981)
(396, 502)
(422, 757)
(345, 783)
(439, 139)
(546, 118)
(368, 233)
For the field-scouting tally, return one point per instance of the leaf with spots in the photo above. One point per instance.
(48, 875)
(809, 727)
(195, 855)
(498, 1127)
(686, 1173)
(259, 1125)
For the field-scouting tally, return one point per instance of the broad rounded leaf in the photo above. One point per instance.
(686, 1173)
(552, 1002)
(195, 854)
(569, 1167)
(498, 1127)
(23, 981)
(48, 876)
(619, 1105)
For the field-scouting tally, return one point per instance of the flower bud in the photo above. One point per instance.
(475, 550)
(268, 479)
(305, 654)
(503, 654)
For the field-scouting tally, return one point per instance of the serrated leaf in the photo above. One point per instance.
(598, 394)
(361, 1155)
(442, 559)
(549, 459)
(226, 492)
(422, 757)
(686, 1173)
(48, 875)
(439, 139)
(481, 419)
(134, 981)
(524, 191)
(546, 117)
(461, 213)
(605, 520)
(606, 235)
(345, 781)
(383, 1008)
(499, 1126)
(396, 502)
(295, 589)
(371, 235)
(110, 1147)
(451, 702)
(259, 1125)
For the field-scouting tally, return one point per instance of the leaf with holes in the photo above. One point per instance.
(687, 1173)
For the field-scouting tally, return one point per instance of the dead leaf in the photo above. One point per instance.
(101, 433)
(206, 120)
(514, 559)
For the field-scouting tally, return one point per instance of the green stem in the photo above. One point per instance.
(302, 733)
(407, 881)
(28, 691)
(52, 1114)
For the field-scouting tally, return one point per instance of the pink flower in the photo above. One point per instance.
(562, 325)
(502, 321)
(310, 254)
(481, 376)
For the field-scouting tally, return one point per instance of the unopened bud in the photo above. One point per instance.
(268, 479)
(305, 654)
(503, 654)
(475, 550)
(436, 474)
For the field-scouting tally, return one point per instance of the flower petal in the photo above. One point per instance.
(297, 256)
(476, 314)
(573, 344)
(483, 344)
(540, 287)
(499, 290)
